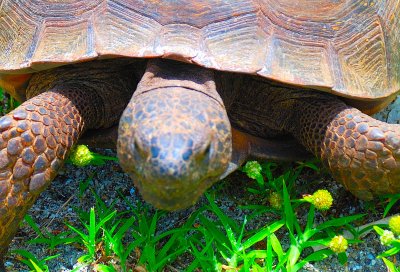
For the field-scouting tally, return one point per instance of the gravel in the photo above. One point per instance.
(55, 206)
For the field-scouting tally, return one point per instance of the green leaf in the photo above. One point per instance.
(314, 257)
(276, 246)
(260, 235)
(393, 199)
(35, 266)
(33, 225)
(338, 222)
(390, 252)
(104, 268)
(342, 258)
(293, 256)
(310, 220)
(378, 230)
(318, 255)
(390, 265)
(269, 261)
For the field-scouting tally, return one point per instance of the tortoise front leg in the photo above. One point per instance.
(34, 141)
(36, 137)
(361, 152)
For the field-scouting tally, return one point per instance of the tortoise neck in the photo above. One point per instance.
(166, 74)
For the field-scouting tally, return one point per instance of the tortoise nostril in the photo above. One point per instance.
(206, 154)
(138, 150)
(207, 150)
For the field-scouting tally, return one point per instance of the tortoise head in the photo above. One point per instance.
(174, 141)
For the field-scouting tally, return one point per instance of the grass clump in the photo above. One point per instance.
(209, 239)
(7, 103)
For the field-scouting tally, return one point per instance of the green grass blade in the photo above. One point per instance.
(310, 219)
(213, 230)
(262, 234)
(338, 222)
(393, 200)
(390, 265)
(276, 246)
(28, 219)
(102, 221)
(225, 220)
(92, 232)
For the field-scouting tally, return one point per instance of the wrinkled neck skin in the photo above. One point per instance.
(107, 86)
(170, 74)
(174, 136)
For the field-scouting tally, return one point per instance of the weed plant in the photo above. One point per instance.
(209, 240)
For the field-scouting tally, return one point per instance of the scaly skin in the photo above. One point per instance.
(361, 152)
(161, 126)
(174, 137)
(36, 137)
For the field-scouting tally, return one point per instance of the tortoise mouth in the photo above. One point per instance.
(172, 197)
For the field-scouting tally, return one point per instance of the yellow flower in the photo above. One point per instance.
(338, 244)
(275, 200)
(321, 199)
(387, 237)
(252, 169)
(81, 156)
(394, 224)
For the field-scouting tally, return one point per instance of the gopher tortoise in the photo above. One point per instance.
(201, 85)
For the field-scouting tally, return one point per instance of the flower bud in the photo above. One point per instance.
(394, 224)
(338, 244)
(252, 169)
(387, 237)
(321, 199)
(81, 156)
(275, 200)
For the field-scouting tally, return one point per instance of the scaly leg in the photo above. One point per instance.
(34, 141)
(361, 152)
(36, 137)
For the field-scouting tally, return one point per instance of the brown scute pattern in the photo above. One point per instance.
(20, 36)
(56, 43)
(390, 13)
(365, 68)
(361, 152)
(349, 47)
(34, 141)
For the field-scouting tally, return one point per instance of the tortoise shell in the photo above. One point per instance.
(350, 48)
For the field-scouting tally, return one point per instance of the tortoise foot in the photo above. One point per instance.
(363, 153)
